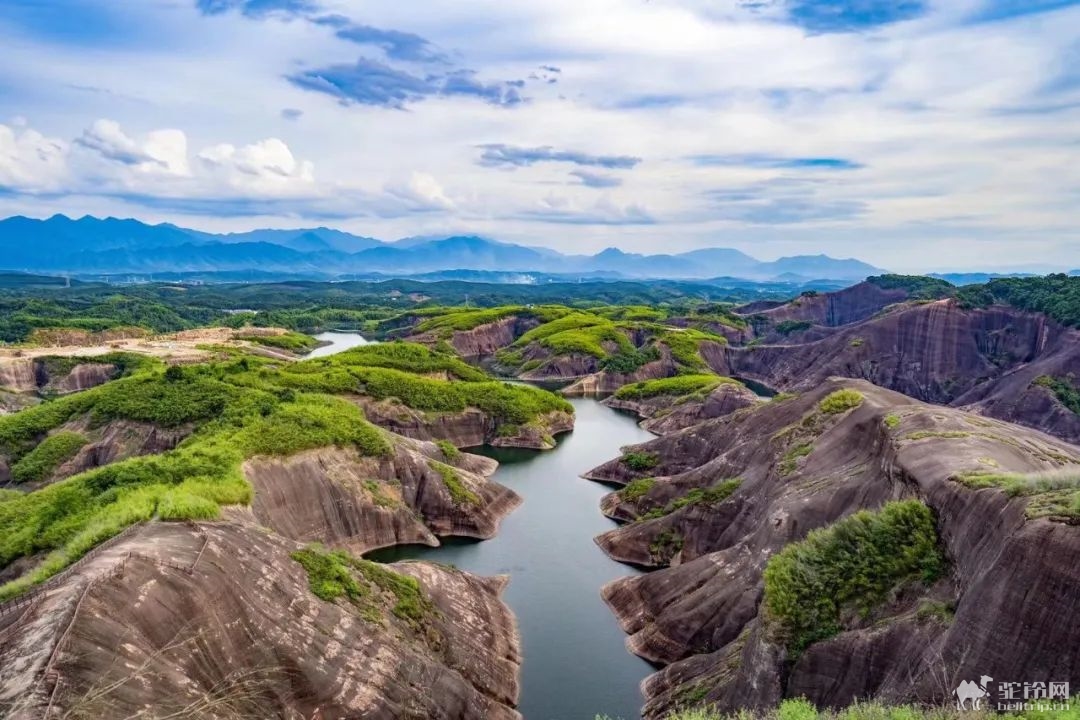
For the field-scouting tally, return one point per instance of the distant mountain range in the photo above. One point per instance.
(91, 246)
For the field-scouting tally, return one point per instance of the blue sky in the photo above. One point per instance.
(915, 134)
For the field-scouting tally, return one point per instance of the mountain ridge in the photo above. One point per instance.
(90, 245)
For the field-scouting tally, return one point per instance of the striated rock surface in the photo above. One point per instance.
(665, 414)
(488, 339)
(984, 359)
(216, 620)
(32, 375)
(341, 498)
(469, 428)
(1010, 591)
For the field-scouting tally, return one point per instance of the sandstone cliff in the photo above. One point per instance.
(938, 352)
(341, 498)
(470, 428)
(665, 414)
(729, 493)
(217, 620)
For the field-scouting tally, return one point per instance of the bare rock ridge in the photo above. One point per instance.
(342, 499)
(665, 414)
(724, 496)
(938, 352)
(181, 604)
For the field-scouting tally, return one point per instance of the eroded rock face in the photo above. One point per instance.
(486, 340)
(470, 428)
(31, 375)
(983, 359)
(665, 414)
(243, 633)
(1013, 581)
(843, 307)
(341, 498)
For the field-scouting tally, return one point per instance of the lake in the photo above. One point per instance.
(575, 661)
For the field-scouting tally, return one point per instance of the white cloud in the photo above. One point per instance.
(960, 131)
(31, 162)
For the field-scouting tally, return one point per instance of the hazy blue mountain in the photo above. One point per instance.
(92, 246)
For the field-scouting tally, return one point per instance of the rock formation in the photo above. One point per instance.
(724, 496)
(217, 620)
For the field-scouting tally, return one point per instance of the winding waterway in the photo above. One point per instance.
(575, 662)
(338, 342)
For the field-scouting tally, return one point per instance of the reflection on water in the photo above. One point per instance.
(575, 661)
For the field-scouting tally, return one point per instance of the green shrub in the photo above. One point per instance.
(697, 496)
(892, 420)
(1050, 493)
(337, 574)
(291, 341)
(629, 361)
(1063, 389)
(840, 401)
(637, 489)
(790, 461)
(459, 492)
(640, 461)
(449, 450)
(678, 386)
(850, 566)
(52, 452)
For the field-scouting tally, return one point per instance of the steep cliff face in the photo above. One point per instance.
(32, 375)
(843, 307)
(728, 494)
(217, 619)
(340, 498)
(937, 352)
(469, 428)
(486, 340)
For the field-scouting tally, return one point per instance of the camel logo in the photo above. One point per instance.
(970, 691)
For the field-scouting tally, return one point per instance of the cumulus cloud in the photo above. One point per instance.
(500, 155)
(160, 151)
(421, 193)
(31, 162)
(263, 168)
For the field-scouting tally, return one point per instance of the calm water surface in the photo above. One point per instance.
(575, 661)
(339, 341)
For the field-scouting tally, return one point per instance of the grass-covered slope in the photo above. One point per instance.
(238, 409)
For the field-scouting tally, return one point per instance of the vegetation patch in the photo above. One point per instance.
(666, 545)
(1051, 493)
(849, 567)
(628, 361)
(678, 386)
(918, 287)
(788, 327)
(892, 421)
(840, 401)
(946, 434)
(637, 489)
(336, 574)
(52, 452)
(292, 341)
(640, 461)
(698, 496)
(460, 493)
(1063, 389)
(790, 461)
(449, 450)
